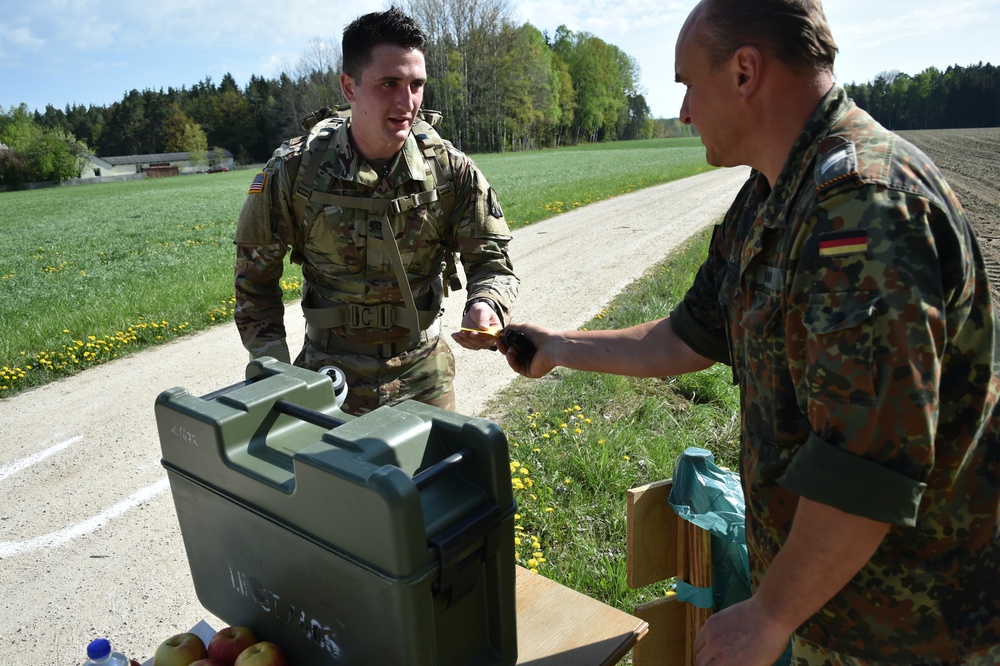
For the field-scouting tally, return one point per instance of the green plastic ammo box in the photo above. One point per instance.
(384, 539)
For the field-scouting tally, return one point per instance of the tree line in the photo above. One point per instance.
(957, 97)
(500, 87)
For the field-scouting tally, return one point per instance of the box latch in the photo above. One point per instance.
(459, 576)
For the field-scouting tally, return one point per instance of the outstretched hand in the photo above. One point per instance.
(479, 326)
(527, 349)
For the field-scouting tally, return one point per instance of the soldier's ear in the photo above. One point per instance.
(746, 64)
(347, 85)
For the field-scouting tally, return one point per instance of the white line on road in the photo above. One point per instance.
(35, 458)
(67, 534)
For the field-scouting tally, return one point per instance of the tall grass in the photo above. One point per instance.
(92, 272)
(580, 440)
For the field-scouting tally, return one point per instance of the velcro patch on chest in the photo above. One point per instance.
(836, 243)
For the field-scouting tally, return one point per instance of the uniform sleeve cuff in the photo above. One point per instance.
(829, 475)
(697, 337)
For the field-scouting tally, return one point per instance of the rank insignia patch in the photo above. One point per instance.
(842, 242)
(257, 186)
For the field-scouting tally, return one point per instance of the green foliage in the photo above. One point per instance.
(958, 97)
(33, 153)
(181, 134)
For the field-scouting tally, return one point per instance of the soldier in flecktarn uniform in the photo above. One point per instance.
(374, 205)
(848, 293)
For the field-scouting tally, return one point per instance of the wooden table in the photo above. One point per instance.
(558, 626)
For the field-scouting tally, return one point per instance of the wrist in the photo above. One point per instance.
(479, 299)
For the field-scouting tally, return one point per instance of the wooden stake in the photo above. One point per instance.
(694, 560)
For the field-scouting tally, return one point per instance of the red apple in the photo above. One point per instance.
(264, 653)
(227, 643)
(180, 650)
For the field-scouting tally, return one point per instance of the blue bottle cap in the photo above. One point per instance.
(99, 648)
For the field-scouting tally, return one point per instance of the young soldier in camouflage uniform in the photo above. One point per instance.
(372, 300)
(847, 291)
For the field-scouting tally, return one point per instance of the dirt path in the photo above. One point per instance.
(970, 160)
(89, 540)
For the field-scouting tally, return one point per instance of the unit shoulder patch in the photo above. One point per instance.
(836, 167)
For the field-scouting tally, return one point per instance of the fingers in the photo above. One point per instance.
(471, 340)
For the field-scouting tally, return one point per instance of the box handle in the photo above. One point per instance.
(308, 415)
(425, 478)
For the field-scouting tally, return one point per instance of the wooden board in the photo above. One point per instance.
(664, 645)
(558, 626)
(651, 535)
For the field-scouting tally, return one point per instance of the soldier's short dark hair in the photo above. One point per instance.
(795, 31)
(366, 32)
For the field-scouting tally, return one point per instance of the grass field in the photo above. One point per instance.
(92, 272)
(580, 440)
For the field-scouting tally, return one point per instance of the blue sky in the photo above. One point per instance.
(63, 52)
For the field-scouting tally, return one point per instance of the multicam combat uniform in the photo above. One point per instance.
(853, 305)
(362, 315)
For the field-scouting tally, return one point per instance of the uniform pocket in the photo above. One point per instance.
(335, 241)
(839, 345)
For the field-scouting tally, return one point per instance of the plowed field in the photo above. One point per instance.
(970, 159)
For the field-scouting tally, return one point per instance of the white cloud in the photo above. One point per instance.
(17, 40)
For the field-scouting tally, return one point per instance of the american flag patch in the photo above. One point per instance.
(842, 242)
(257, 186)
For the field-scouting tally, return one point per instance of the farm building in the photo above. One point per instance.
(154, 165)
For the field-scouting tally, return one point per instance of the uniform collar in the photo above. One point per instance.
(407, 164)
(798, 166)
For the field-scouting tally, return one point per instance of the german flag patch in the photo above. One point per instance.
(835, 243)
(257, 186)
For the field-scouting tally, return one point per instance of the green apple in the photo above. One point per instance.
(228, 643)
(180, 650)
(264, 653)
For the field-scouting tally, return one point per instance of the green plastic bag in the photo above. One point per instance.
(712, 498)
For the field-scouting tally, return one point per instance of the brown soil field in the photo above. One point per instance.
(970, 160)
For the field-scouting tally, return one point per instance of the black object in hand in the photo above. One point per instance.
(520, 342)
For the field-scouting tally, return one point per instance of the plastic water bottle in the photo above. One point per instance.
(339, 382)
(99, 653)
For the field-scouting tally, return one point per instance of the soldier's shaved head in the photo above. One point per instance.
(795, 31)
(366, 32)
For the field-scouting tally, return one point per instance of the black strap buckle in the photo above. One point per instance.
(381, 316)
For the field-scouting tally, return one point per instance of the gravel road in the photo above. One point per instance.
(89, 540)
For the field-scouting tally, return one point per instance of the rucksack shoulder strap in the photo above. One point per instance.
(435, 150)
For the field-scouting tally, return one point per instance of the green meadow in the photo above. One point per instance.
(89, 273)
